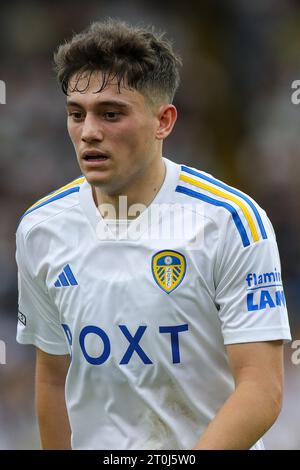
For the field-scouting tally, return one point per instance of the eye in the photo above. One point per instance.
(76, 115)
(111, 115)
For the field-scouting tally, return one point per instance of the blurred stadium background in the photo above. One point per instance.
(236, 120)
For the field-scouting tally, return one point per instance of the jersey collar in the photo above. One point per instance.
(164, 196)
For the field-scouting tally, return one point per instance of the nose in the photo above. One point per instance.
(91, 130)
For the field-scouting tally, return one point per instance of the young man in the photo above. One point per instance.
(152, 291)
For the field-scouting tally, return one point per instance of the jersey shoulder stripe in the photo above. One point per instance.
(231, 190)
(230, 198)
(236, 218)
(69, 188)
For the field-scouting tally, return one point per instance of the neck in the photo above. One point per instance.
(141, 192)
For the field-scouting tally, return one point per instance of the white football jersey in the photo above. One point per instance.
(145, 315)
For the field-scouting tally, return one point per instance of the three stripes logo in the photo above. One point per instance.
(66, 278)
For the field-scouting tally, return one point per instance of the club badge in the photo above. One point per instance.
(168, 269)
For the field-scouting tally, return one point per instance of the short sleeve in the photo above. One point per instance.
(249, 289)
(38, 319)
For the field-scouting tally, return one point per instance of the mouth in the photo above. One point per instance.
(94, 157)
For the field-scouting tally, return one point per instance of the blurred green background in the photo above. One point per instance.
(236, 120)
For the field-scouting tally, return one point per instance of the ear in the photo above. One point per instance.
(167, 115)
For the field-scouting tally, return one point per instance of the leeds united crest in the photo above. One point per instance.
(168, 269)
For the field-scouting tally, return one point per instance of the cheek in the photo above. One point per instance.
(121, 136)
(133, 135)
(73, 132)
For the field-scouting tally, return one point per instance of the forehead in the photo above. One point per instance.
(84, 89)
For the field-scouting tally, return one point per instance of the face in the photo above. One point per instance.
(116, 135)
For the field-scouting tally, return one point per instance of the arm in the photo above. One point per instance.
(51, 371)
(256, 402)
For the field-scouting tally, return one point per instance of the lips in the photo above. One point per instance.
(90, 158)
(94, 156)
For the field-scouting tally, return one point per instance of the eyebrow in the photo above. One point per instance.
(118, 103)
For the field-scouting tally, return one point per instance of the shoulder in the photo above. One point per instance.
(50, 205)
(234, 212)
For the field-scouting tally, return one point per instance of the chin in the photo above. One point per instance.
(97, 181)
(95, 176)
(101, 181)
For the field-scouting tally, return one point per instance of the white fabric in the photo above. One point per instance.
(162, 391)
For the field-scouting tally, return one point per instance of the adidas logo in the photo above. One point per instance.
(66, 278)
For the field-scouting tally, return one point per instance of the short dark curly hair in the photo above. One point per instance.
(138, 57)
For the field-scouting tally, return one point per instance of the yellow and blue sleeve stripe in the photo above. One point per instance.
(227, 195)
(69, 188)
